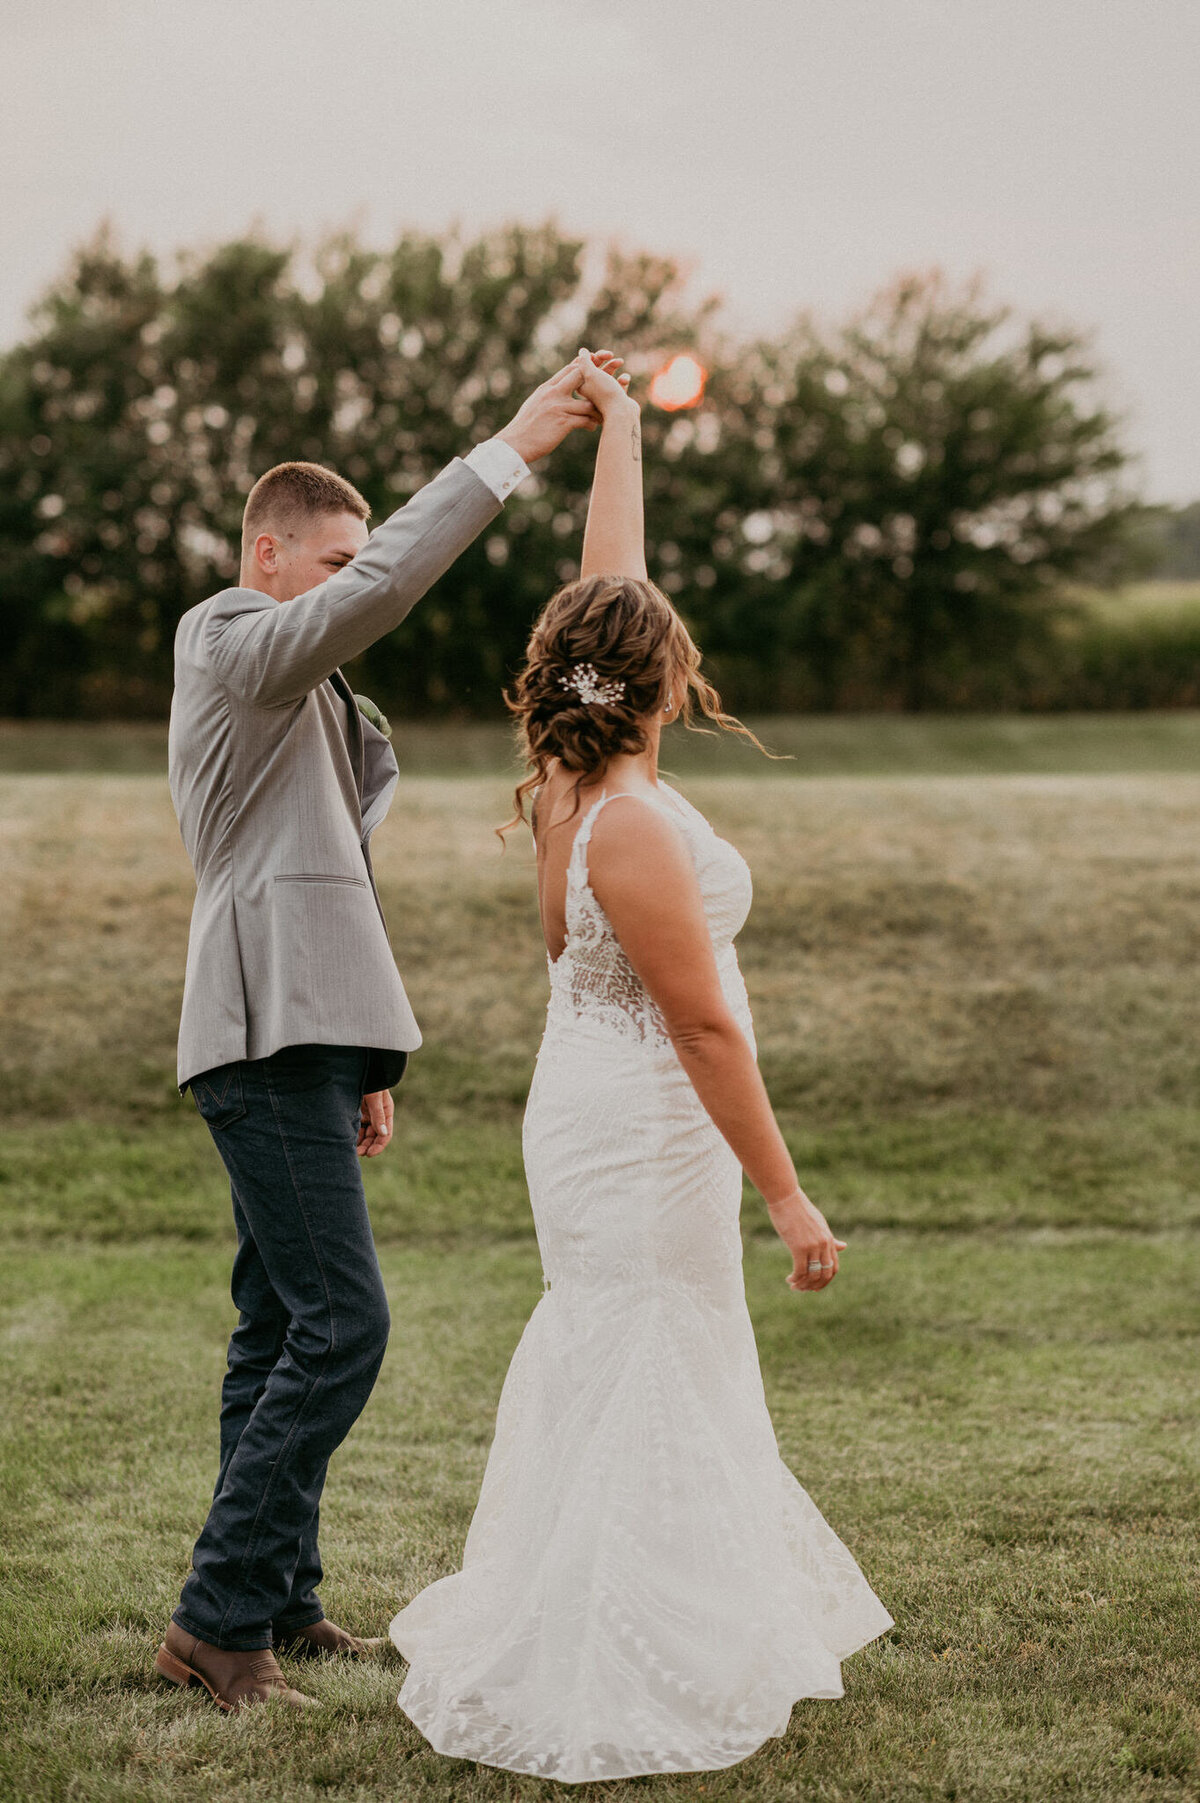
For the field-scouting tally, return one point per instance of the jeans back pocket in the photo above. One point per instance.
(219, 1097)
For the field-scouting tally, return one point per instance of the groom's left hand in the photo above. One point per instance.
(375, 1123)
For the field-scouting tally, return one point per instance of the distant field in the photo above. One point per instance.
(1021, 943)
(1137, 600)
(809, 745)
(979, 1011)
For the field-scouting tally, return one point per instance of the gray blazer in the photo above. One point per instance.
(278, 783)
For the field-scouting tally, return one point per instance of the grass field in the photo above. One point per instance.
(979, 1012)
(1139, 600)
(807, 745)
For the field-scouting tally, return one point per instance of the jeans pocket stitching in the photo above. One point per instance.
(220, 1109)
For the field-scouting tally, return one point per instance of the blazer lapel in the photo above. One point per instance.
(356, 729)
(379, 783)
(376, 783)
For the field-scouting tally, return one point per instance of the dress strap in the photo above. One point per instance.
(577, 863)
(583, 832)
(583, 913)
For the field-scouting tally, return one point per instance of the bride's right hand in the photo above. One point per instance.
(600, 383)
(806, 1234)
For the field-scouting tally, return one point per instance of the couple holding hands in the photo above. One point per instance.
(645, 1586)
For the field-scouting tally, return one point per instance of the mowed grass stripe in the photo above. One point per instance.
(882, 745)
(449, 1181)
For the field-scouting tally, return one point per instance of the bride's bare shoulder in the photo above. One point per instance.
(636, 826)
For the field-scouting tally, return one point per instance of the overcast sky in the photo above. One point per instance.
(796, 152)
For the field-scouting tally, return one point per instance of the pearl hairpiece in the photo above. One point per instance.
(590, 689)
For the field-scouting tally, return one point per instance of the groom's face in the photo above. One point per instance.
(315, 552)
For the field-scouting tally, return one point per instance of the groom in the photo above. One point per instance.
(295, 1023)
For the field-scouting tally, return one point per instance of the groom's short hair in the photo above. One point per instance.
(290, 496)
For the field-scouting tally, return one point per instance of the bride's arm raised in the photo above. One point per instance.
(641, 873)
(614, 538)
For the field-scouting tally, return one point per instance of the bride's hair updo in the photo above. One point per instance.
(605, 656)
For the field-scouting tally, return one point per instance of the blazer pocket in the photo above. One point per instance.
(219, 1096)
(318, 876)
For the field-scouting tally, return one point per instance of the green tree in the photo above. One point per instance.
(139, 412)
(877, 516)
(76, 465)
(925, 480)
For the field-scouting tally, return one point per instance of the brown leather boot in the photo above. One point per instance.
(232, 1680)
(325, 1640)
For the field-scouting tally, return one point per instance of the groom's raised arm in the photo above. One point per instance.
(273, 652)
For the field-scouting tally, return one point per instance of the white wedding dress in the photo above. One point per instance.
(645, 1586)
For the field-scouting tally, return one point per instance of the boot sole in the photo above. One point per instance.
(176, 1672)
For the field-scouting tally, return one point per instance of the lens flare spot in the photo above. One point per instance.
(679, 383)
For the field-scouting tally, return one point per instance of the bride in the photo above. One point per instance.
(645, 1586)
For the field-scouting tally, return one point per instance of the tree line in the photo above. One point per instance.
(883, 513)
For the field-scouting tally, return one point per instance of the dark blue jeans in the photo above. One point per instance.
(309, 1341)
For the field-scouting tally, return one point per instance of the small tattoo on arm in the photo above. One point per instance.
(635, 440)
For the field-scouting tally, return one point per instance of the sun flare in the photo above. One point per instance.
(679, 383)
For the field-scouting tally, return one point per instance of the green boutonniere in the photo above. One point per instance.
(378, 719)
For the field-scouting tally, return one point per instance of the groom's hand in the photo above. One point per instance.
(375, 1123)
(553, 410)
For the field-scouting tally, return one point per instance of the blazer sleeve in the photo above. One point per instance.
(272, 654)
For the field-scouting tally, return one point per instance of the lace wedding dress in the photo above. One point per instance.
(645, 1586)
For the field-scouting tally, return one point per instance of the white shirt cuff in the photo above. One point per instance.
(496, 463)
